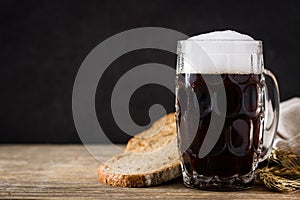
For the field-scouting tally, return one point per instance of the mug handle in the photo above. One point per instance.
(272, 101)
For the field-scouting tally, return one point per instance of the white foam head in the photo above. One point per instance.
(222, 35)
(220, 52)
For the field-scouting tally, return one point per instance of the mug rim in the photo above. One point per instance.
(216, 45)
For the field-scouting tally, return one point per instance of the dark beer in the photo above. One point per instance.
(236, 152)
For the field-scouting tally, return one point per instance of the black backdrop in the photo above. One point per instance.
(43, 43)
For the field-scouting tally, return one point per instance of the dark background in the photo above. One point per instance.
(42, 44)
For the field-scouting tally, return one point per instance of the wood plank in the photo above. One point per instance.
(69, 171)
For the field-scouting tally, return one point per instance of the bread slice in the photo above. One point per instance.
(150, 158)
(161, 133)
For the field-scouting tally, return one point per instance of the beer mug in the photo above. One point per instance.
(227, 108)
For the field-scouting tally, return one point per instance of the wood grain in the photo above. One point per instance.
(69, 172)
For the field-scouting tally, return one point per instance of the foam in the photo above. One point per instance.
(220, 52)
(222, 35)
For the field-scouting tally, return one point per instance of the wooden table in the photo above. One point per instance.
(69, 172)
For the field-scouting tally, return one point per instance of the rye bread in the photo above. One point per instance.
(150, 158)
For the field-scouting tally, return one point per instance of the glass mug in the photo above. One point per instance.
(227, 108)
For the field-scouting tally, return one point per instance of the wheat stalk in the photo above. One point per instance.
(283, 170)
